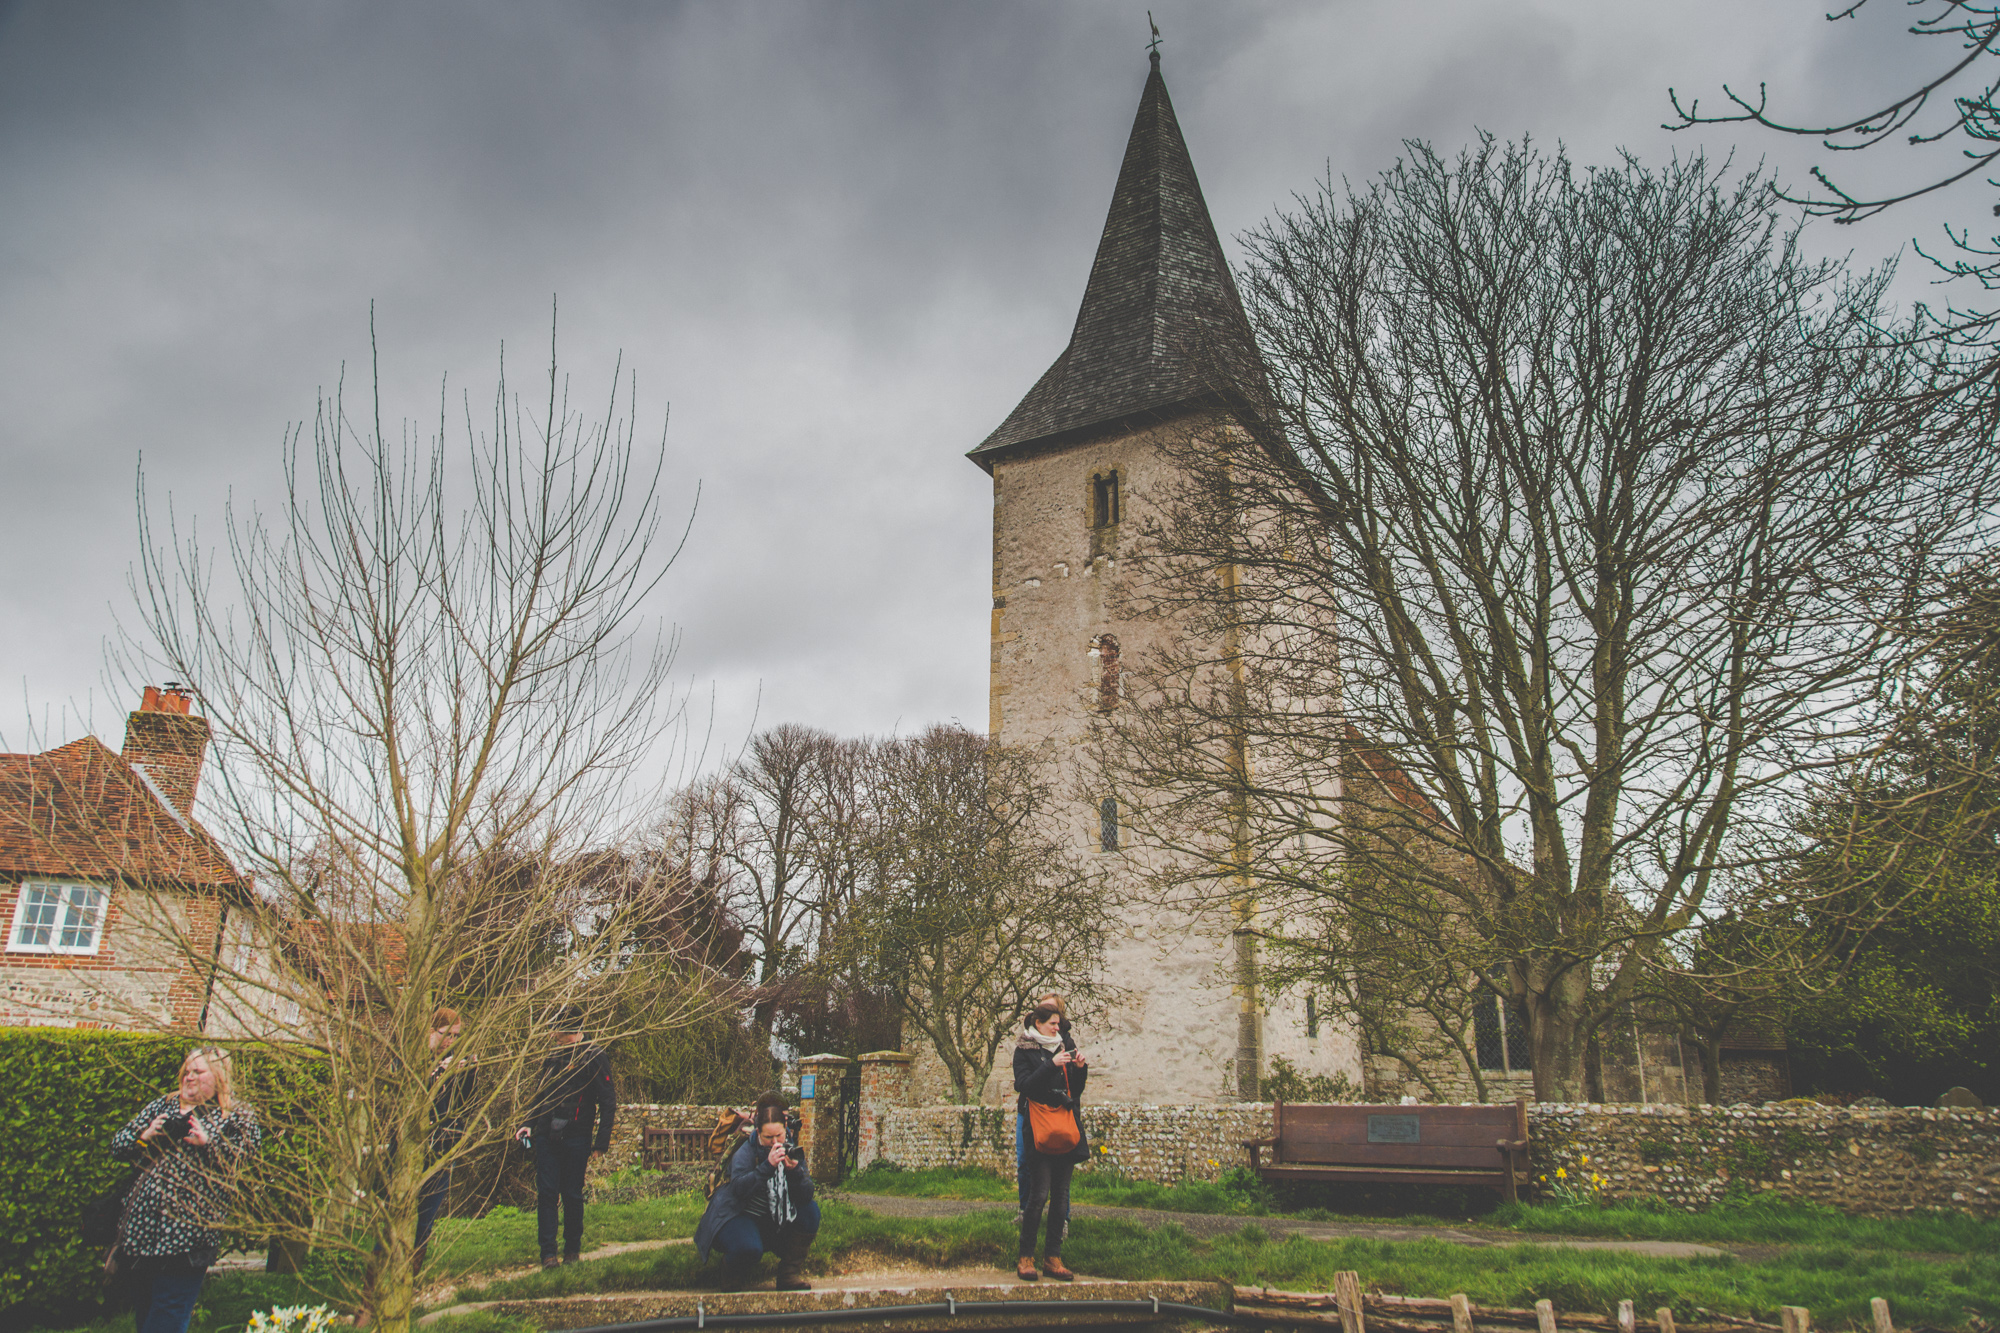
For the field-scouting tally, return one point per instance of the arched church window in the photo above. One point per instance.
(1104, 499)
(1107, 672)
(1107, 824)
(1500, 1035)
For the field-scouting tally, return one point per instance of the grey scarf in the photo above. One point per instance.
(778, 1196)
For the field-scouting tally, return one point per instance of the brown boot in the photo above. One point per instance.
(1053, 1266)
(792, 1246)
(1025, 1270)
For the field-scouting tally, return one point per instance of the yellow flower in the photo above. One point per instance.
(1211, 1161)
(1562, 1173)
(1586, 1161)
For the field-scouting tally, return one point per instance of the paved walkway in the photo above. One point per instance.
(1217, 1224)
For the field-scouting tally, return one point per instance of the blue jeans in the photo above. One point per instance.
(168, 1302)
(559, 1167)
(743, 1240)
(1022, 1138)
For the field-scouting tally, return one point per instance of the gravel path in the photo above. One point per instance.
(1217, 1224)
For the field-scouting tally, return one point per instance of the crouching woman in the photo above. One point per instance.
(764, 1207)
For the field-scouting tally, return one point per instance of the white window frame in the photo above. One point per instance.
(99, 898)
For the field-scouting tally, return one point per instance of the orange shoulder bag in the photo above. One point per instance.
(1054, 1127)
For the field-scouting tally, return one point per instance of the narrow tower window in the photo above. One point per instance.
(1107, 824)
(1107, 672)
(1312, 1015)
(1104, 500)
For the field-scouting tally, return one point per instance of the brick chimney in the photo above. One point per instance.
(168, 742)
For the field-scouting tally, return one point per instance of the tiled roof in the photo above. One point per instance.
(80, 811)
(1161, 328)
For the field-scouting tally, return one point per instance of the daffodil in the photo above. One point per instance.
(1562, 1173)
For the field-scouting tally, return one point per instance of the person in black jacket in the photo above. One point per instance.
(765, 1206)
(576, 1085)
(1023, 1138)
(1047, 1071)
(451, 1088)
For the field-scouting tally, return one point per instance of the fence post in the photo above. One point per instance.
(1795, 1319)
(1461, 1313)
(1545, 1317)
(1628, 1318)
(1347, 1298)
(1665, 1316)
(1880, 1309)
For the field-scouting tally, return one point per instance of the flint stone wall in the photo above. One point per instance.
(1881, 1161)
(1884, 1161)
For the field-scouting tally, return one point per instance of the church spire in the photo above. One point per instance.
(1161, 324)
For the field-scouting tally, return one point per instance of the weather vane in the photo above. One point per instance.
(1154, 45)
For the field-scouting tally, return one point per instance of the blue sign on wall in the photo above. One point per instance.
(806, 1082)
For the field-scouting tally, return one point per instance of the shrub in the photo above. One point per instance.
(69, 1092)
(72, 1091)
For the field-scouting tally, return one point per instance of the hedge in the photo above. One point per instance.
(67, 1092)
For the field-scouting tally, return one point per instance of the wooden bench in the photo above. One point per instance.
(1409, 1145)
(657, 1147)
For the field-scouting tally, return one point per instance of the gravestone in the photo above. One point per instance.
(1963, 1099)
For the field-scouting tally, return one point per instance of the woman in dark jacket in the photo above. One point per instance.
(1049, 1072)
(1023, 1138)
(191, 1143)
(764, 1207)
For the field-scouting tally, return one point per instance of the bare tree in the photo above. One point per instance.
(1615, 517)
(427, 691)
(972, 909)
(775, 892)
(1952, 103)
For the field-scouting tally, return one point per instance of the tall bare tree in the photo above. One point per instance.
(1614, 515)
(427, 689)
(972, 908)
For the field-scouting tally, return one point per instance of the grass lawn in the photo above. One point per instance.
(1835, 1283)
(1837, 1265)
(1761, 1219)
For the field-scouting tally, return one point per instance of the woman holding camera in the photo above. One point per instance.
(190, 1144)
(764, 1206)
(1049, 1076)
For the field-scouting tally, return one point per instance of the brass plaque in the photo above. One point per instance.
(1394, 1129)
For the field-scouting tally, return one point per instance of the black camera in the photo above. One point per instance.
(177, 1125)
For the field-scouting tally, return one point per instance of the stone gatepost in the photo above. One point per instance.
(819, 1115)
(885, 1085)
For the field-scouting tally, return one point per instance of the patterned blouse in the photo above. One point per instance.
(183, 1192)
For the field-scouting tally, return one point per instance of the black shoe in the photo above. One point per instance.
(572, 1256)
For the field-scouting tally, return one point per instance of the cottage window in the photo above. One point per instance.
(57, 918)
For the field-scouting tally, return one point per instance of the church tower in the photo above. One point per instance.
(1078, 467)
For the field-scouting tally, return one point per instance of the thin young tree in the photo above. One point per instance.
(1579, 513)
(428, 687)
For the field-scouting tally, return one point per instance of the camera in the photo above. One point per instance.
(176, 1126)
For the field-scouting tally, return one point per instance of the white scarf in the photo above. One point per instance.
(1049, 1044)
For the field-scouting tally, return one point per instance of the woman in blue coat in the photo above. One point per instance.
(764, 1207)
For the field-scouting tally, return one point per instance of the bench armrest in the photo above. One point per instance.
(1261, 1143)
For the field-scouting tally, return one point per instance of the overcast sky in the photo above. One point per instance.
(840, 240)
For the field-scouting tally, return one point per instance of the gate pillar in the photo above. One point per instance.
(885, 1083)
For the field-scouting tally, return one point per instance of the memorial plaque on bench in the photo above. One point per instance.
(1394, 1129)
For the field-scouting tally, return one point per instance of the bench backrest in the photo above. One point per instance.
(1339, 1134)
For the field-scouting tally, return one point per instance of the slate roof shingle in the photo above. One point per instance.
(1161, 327)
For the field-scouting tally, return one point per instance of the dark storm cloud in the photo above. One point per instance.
(840, 239)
